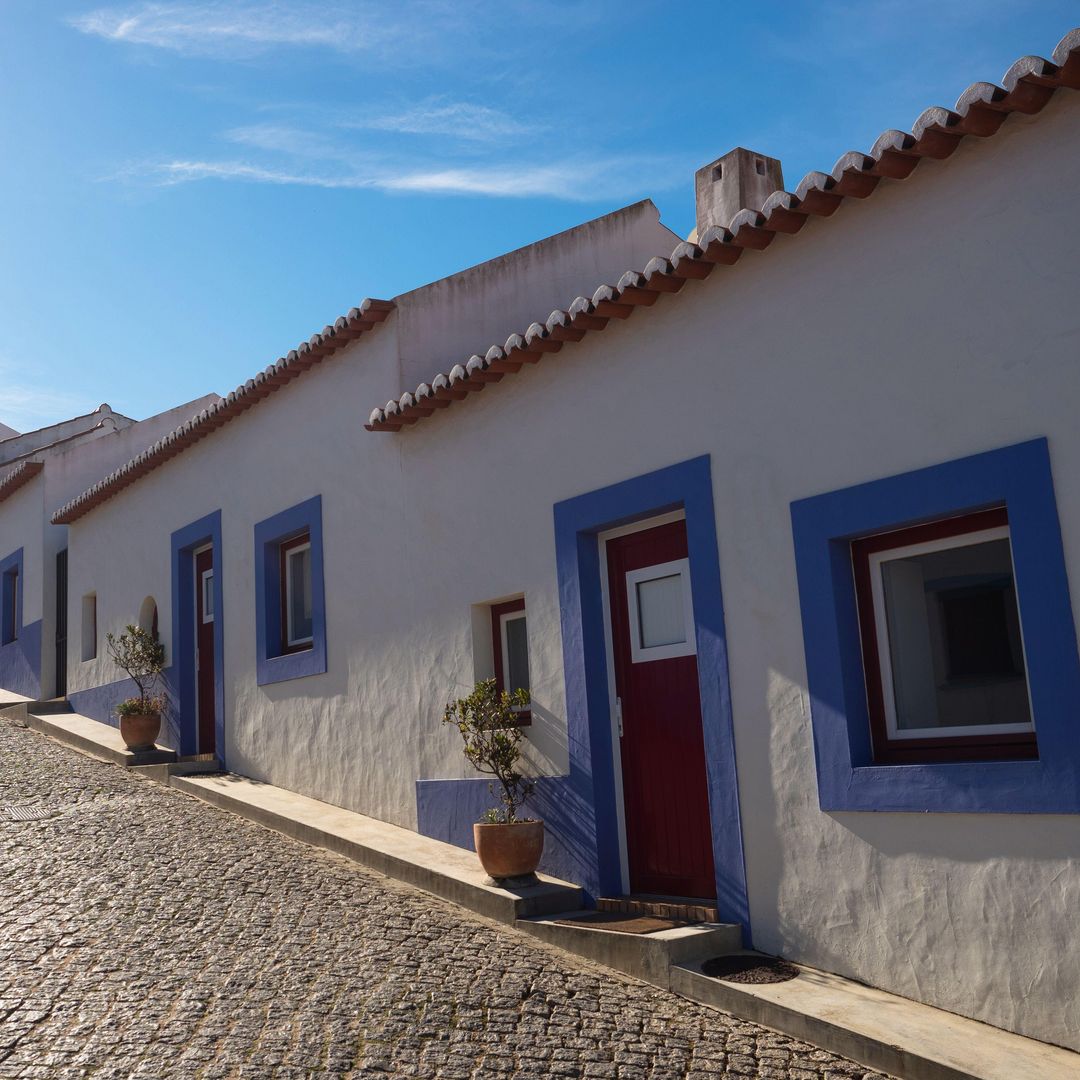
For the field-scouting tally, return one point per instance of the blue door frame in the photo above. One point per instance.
(578, 523)
(207, 530)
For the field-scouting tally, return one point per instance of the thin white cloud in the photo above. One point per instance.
(459, 119)
(222, 28)
(575, 180)
(27, 405)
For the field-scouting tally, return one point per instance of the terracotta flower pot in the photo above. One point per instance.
(507, 851)
(140, 731)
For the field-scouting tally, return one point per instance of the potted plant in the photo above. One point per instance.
(142, 656)
(507, 845)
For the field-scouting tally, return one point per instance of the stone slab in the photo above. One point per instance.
(438, 868)
(164, 772)
(91, 737)
(649, 957)
(880, 1030)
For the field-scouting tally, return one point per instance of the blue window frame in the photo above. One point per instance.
(1018, 478)
(290, 610)
(11, 597)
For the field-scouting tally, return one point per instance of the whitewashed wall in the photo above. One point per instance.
(934, 321)
(22, 524)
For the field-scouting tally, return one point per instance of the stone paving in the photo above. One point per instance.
(143, 933)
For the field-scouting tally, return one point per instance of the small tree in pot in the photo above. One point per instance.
(507, 845)
(142, 657)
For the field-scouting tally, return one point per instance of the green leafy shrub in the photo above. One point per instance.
(138, 653)
(487, 724)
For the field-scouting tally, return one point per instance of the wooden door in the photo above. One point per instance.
(61, 623)
(665, 792)
(205, 616)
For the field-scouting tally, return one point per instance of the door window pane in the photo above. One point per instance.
(208, 596)
(954, 644)
(516, 674)
(661, 614)
(299, 595)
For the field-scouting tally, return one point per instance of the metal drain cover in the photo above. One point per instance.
(26, 813)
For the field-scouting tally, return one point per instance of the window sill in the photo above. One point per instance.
(294, 665)
(1024, 748)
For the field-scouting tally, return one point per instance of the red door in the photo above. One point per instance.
(665, 794)
(204, 648)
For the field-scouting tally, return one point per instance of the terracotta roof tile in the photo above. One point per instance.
(306, 355)
(980, 110)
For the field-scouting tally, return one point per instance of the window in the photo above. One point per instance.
(661, 612)
(510, 649)
(11, 606)
(89, 626)
(290, 607)
(941, 640)
(206, 584)
(296, 612)
(969, 631)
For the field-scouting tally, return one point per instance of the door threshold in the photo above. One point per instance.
(681, 908)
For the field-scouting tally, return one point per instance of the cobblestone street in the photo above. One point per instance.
(143, 933)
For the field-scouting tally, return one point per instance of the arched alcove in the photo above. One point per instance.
(148, 617)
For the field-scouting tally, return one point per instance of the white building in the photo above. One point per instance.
(40, 471)
(783, 554)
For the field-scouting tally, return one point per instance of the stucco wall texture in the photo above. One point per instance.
(936, 320)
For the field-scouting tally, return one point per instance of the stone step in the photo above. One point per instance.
(649, 957)
(441, 869)
(49, 706)
(202, 766)
(662, 907)
(880, 1030)
(88, 736)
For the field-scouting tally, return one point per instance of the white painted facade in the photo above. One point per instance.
(936, 320)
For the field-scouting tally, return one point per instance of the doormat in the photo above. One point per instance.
(749, 969)
(619, 923)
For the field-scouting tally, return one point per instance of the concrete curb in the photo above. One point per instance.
(880, 1030)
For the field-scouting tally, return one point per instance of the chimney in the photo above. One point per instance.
(740, 180)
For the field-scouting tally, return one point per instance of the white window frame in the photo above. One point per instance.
(286, 586)
(642, 654)
(884, 652)
(508, 617)
(207, 577)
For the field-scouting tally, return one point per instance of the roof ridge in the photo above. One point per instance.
(1027, 86)
(14, 479)
(307, 354)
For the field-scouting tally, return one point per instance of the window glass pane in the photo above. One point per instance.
(208, 595)
(517, 654)
(299, 587)
(661, 619)
(954, 638)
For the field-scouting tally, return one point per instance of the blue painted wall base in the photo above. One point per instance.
(99, 703)
(20, 662)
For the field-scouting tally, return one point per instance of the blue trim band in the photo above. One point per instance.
(20, 658)
(271, 665)
(207, 530)
(1020, 477)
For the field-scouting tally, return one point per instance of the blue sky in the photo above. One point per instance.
(192, 188)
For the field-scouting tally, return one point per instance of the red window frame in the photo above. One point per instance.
(283, 565)
(1008, 746)
(524, 717)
